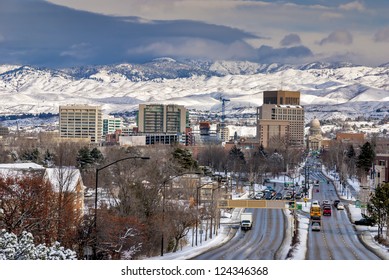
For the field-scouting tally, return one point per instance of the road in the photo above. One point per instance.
(262, 242)
(338, 239)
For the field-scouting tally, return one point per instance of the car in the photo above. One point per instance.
(315, 202)
(268, 195)
(288, 195)
(315, 226)
(279, 196)
(340, 206)
(299, 195)
(327, 210)
(365, 222)
(325, 202)
(336, 201)
(259, 195)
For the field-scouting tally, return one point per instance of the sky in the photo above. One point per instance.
(65, 33)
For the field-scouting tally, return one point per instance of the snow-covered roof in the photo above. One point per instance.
(63, 178)
(21, 165)
(17, 169)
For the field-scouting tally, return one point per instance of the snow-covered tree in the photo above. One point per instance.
(23, 248)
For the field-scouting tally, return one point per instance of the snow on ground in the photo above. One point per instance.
(225, 232)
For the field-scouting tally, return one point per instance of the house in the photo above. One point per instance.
(61, 179)
(67, 180)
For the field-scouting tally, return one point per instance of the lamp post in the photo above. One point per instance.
(96, 187)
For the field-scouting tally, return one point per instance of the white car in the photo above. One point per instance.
(259, 195)
(316, 226)
(340, 206)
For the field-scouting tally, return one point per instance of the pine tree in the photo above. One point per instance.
(23, 248)
(184, 159)
(96, 155)
(366, 158)
(84, 158)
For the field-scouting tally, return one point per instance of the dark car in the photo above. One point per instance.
(268, 195)
(336, 203)
(279, 196)
(299, 195)
(365, 222)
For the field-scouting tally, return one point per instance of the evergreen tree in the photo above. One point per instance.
(96, 155)
(184, 159)
(379, 206)
(48, 159)
(84, 158)
(23, 248)
(33, 156)
(366, 158)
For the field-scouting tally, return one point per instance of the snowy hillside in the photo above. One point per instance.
(327, 90)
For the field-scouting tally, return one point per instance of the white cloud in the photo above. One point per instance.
(353, 6)
(79, 51)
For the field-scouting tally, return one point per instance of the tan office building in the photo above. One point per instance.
(290, 116)
(81, 122)
(269, 129)
(160, 118)
(281, 97)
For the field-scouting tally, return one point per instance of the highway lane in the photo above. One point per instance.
(338, 239)
(262, 242)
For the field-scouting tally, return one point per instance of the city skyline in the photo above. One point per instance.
(65, 33)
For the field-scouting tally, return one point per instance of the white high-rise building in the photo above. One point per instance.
(80, 122)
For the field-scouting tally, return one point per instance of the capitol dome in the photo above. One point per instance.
(315, 128)
(315, 123)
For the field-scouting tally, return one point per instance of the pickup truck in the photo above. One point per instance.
(246, 221)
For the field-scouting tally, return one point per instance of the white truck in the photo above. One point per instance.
(246, 221)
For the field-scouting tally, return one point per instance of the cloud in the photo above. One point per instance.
(78, 51)
(382, 35)
(267, 54)
(290, 39)
(43, 34)
(353, 6)
(342, 37)
(194, 48)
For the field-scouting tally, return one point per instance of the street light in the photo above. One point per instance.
(96, 187)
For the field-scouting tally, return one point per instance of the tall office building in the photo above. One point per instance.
(281, 115)
(80, 122)
(160, 118)
(111, 124)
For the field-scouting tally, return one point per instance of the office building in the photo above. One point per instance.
(277, 118)
(160, 118)
(81, 122)
(111, 124)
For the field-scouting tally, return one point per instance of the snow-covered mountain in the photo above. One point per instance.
(328, 90)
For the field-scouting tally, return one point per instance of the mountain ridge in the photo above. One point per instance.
(197, 84)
